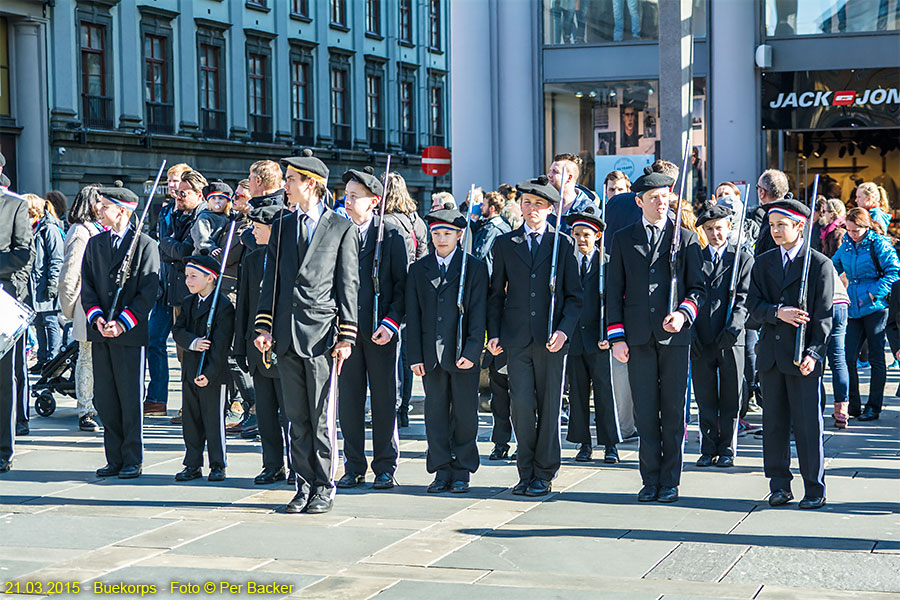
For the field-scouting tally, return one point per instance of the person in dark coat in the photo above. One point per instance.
(450, 379)
(48, 260)
(792, 392)
(311, 279)
(520, 323)
(717, 348)
(588, 365)
(652, 336)
(117, 328)
(204, 372)
(375, 357)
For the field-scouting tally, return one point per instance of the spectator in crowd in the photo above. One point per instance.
(870, 264)
(832, 232)
(575, 197)
(728, 194)
(837, 358)
(48, 259)
(58, 200)
(83, 226)
(616, 183)
(869, 198)
(241, 201)
(442, 200)
(266, 184)
(493, 225)
(771, 186)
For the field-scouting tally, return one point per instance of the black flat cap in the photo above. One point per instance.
(539, 186)
(793, 209)
(204, 263)
(265, 215)
(308, 165)
(589, 217)
(120, 196)
(717, 211)
(365, 177)
(445, 218)
(651, 180)
(217, 186)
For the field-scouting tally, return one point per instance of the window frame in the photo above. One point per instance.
(215, 40)
(405, 31)
(376, 132)
(259, 124)
(303, 130)
(340, 63)
(338, 8)
(300, 10)
(437, 90)
(434, 26)
(373, 19)
(408, 137)
(97, 111)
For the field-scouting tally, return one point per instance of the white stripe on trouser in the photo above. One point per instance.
(223, 396)
(27, 386)
(330, 420)
(615, 406)
(562, 388)
(141, 396)
(14, 402)
(820, 475)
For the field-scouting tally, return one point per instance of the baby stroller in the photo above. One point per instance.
(57, 375)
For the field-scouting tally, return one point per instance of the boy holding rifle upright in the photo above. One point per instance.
(117, 315)
(447, 364)
(203, 386)
(792, 391)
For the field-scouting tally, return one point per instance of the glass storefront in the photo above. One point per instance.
(787, 18)
(570, 22)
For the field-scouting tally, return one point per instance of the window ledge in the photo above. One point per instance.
(339, 27)
(299, 17)
(406, 44)
(374, 36)
(259, 7)
(433, 50)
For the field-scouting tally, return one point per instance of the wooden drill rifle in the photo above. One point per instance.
(462, 275)
(676, 234)
(732, 286)
(376, 261)
(554, 261)
(215, 299)
(802, 300)
(601, 271)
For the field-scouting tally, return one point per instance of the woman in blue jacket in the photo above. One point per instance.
(48, 259)
(871, 266)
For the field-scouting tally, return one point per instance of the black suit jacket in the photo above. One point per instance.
(98, 286)
(717, 282)
(191, 324)
(587, 332)
(250, 277)
(432, 314)
(316, 290)
(391, 277)
(519, 301)
(16, 251)
(770, 286)
(638, 288)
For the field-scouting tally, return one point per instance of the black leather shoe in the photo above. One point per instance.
(868, 414)
(319, 504)
(130, 472)
(585, 452)
(725, 461)
(519, 488)
(5, 465)
(538, 487)
(297, 504)
(648, 493)
(22, 429)
(438, 485)
(499, 452)
(780, 497)
(292, 478)
(350, 480)
(402, 418)
(383, 481)
(705, 460)
(460, 487)
(216, 474)
(268, 476)
(855, 411)
(610, 455)
(667, 494)
(109, 471)
(812, 502)
(189, 473)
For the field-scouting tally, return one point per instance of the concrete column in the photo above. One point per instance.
(130, 88)
(281, 76)
(187, 71)
(64, 70)
(29, 87)
(236, 61)
(675, 76)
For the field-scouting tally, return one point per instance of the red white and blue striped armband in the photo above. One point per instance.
(94, 313)
(392, 325)
(127, 319)
(689, 308)
(615, 333)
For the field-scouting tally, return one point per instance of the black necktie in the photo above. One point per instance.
(302, 234)
(787, 264)
(443, 272)
(653, 236)
(715, 258)
(534, 245)
(584, 267)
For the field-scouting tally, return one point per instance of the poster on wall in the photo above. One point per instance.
(632, 165)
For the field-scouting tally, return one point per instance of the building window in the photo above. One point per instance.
(373, 17)
(784, 19)
(4, 67)
(339, 13)
(434, 24)
(258, 82)
(340, 107)
(408, 112)
(436, 100)
(300, 8)
(406, 21)
(301, 100)
(256, 3)
(212, 113)
(375, 107)
(156, 85)
(96, 106)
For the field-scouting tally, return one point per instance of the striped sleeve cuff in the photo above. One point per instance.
(93, 313)
(263, 321)
(391, 324)
(127, 319)
(347, 332)
(689, 308)
(615, 333)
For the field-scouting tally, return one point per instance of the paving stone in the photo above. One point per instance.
(698, 562)
(828, 528)
(22, 530)
(453, 591)
(13, 569)
(344, 588)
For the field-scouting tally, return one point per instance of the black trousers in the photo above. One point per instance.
(501, 433)
(451, 423)
(586, 371)
(203, 422)
(240, 385)
(272, 421)
(9, 399)
(370, 367)
(23, 385)
(658, 375)
(793, 400)
(535, 388)
(309, 404)
(717, 376)
(119, 400)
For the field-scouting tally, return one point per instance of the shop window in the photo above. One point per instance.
(609, 21)
(791, 18)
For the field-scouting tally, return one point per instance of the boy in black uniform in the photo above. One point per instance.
(588, 365)
(119, 345)
(311, 280)
(717, 348)
(518, 317)
(377, 352)
(792, 393)
(203, 393)
(270, 415)
(654, 341)
(451, 383)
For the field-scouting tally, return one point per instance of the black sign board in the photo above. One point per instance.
(843, 99)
